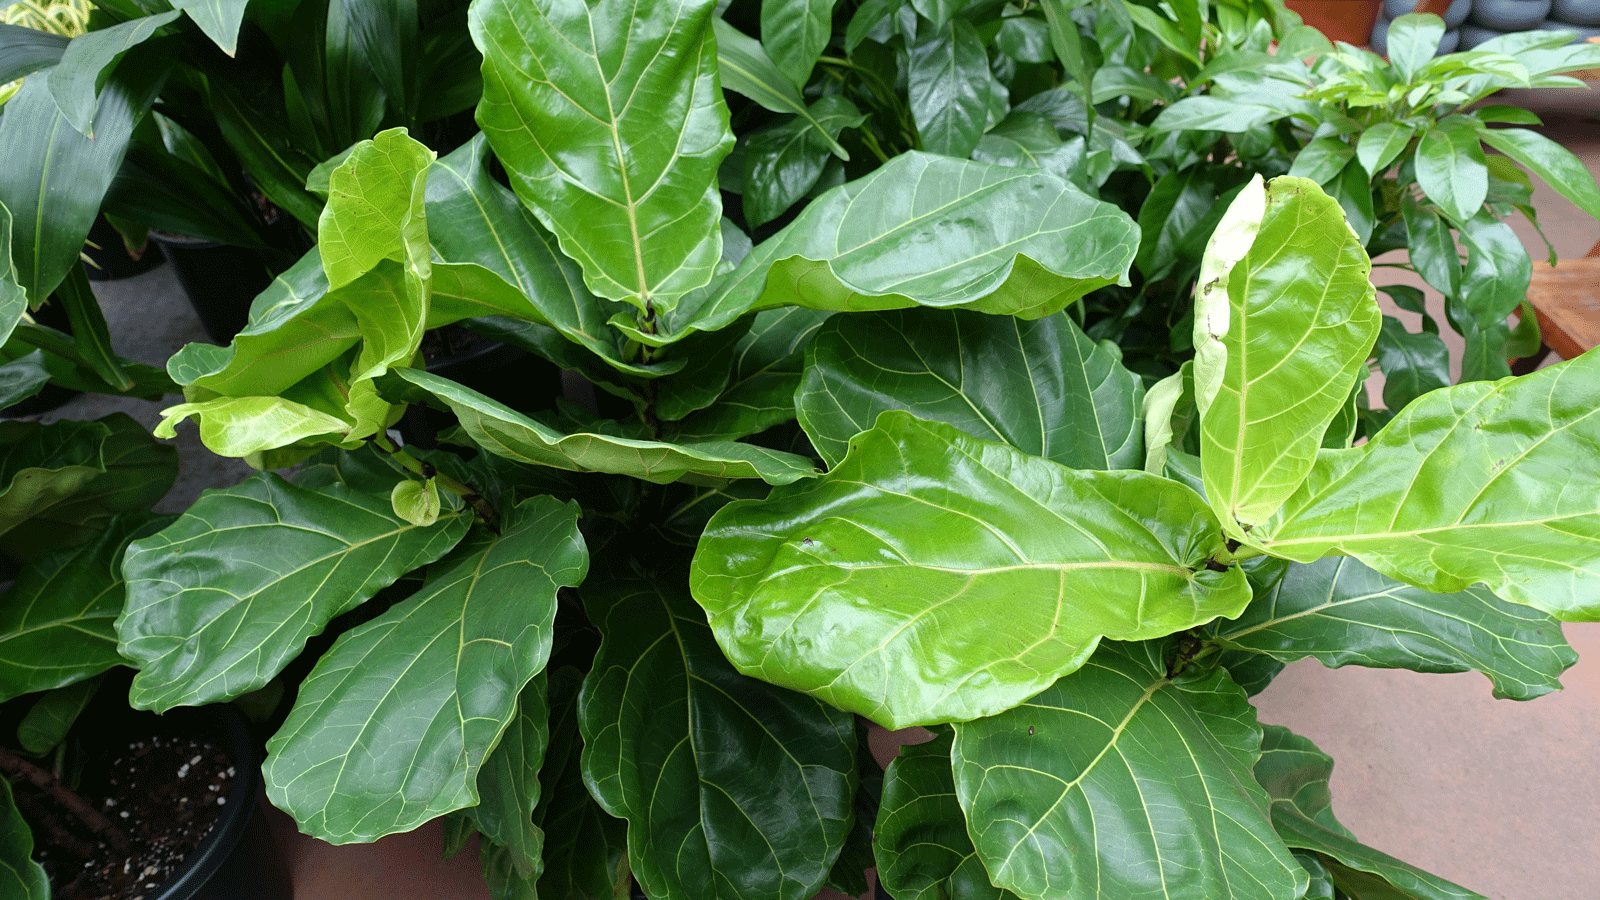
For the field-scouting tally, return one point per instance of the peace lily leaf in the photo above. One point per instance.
(221, 599)
(509, 434)
(929, 559)
(1340, 612)
(20, 876)
(72, 81)
(669, 729)
(416, 501)
(797, 32)
(472, 219)
(55, 626)
(52, 716)
(1468, 484)
(746, 69)
(1295, 773)
(948, 74)
(920, 842)
(1040, 386)
(782, 164)
(219, 19)
(925, 230)
(621, 162)
(585, 851)
(55, 178)
(508, 783)
(1451, 169)
(1117, 762)
(393, 724)
(1301, 320)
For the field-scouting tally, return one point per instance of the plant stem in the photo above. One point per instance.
(17, 767)
(486, 512)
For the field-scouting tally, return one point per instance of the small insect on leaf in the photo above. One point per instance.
(1030, 730)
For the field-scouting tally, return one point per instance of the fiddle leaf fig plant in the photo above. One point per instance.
(873, 447)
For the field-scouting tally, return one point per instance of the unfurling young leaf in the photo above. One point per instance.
(416, 501)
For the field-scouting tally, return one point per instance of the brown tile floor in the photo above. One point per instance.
(1500, 796)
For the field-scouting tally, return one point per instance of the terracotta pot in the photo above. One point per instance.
(1339, 20)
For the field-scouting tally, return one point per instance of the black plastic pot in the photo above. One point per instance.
(109, 257)
(239, 858)
(220, 280)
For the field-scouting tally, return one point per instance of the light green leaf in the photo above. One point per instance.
(504, 432)
(1468, 484)
(1322, 159)
(393, 724)
(55, 624)
(1300, 323)
(746, 69)
(52, 715)
(1213, 310)
(221, 599)
(1381, 144)
(621, 162)
(241, 426)
(920, 841)
(1451, 169)
(797, 31)
(1550, 161)
(669, 729)
(1340, 612)
(1214, 114)
(219, 19)
(1122, 781)
(416, 501)
(932, 231)
(508, 783)
(1040, 386)
(1295, 773)
(20, 877)
(375, 210)
(1413, 40)
(73, 80)
(948, 84)
(932, 559)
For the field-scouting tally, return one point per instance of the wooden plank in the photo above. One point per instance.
(1567, 300)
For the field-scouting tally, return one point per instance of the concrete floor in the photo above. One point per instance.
(1497, 795)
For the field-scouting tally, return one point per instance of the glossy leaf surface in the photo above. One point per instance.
(585, 850)
(508, 783)
(1340, 612)
(1115, 763)
(1451, 169)
(393, 725)
(746, 68)
(920, 842)
(20, 876)
(222, 598)
(948, 74)
(782, 164)
(796, 31)
(1296, 773)
(511, 435)
(219, 19)
(56, 622)
(927, 559)
(1476, 482)
(1299, 326)
(669, 730)
(1040, 386)
(925, 230)
(620, 162)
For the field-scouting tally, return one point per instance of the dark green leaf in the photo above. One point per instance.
(13, 299)
(767, 365)
(1340, 612)
(1028, 139)
(221, 599)
(426, 690)
(56, 622)
(24, 51)
(51, 716)
(620, 163)
(1451, 169)
(278, 166)
(1025, 39)
(948, 75)
(20, 877)
(669, 729)
(1295, 773)
(1121, 781)
(585, 852)
(508, 783)
(782, 164)
(797, 31)
(90, 333)
(1353, 190)
(73, 80)
(1179, 214)
(746, 69)
(219, 19)
(1412, 364)
(1322, 159)
(1432, 247)
(930, 558)
(1040, 386)
(1498, 269)
(1550, 161)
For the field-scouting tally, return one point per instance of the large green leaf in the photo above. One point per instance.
(1341, 612)
(669, 730)
(1473, 483)
(507, 433)
(1040, 386)
(13, 299)
(1550, 161)
(930, 559)
(797, 31)
(24, 51)
(1295, 773)
(1451, 168)
(508, 782)
(54, 178)
(73, 80)
(932, 231)
(55, 623)
(220, 600)
(620, 162)
(1122, 781)
(1288, 328)
(20, 877)
(947, 72)
(920, 842)
(219, 19)
(392, 726)
(585, 850)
